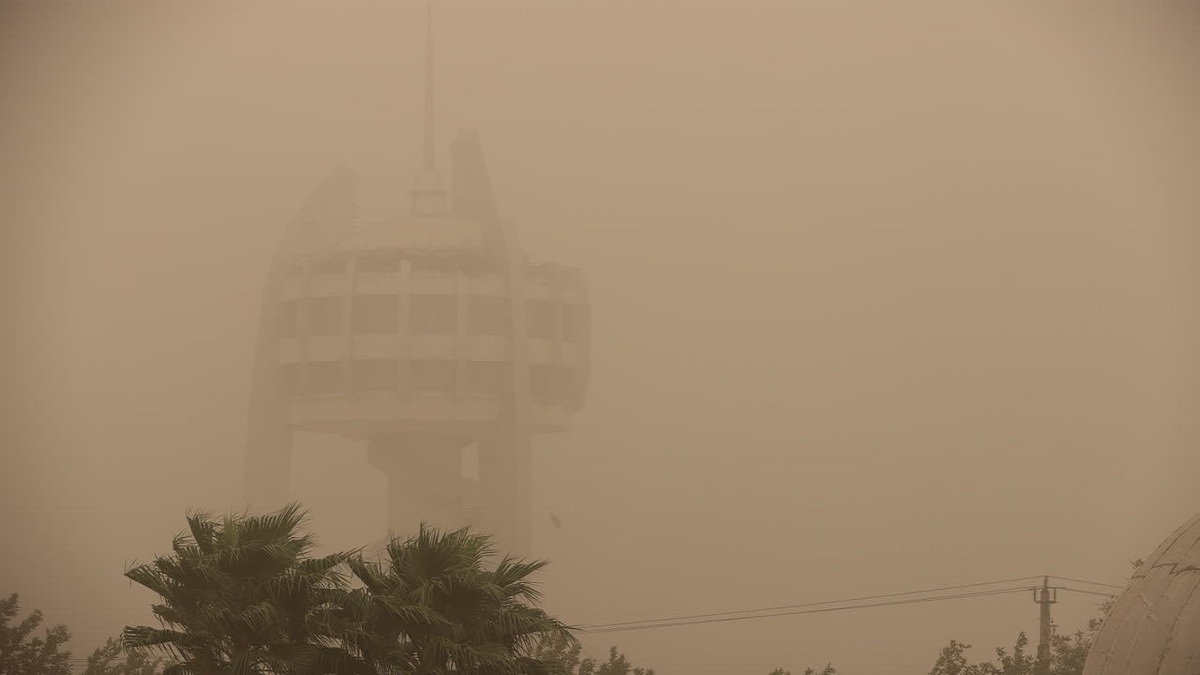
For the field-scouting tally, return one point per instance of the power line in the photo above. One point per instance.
(810, 604)
(692, 622)
(1085, 581)
(767, 612)
(1080, 590)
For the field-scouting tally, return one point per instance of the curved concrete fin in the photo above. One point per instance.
(472, 188)
(327, 217)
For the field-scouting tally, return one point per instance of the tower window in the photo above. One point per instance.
(572, 323)
(541, 381)
(567, 382)
(375, 314)
(291, 379)
(328, 266)
(289, 319)
(541, 319)
(325, 377)
(432, 375)
(325, 315)
(434, 267)
(487, 377)
(433, 313)
(378, 265)
(375, 375)
(487, 316)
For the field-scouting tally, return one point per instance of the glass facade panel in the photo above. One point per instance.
(377, 265)
(375, 314)
(541, 381)
(325, 316)
(375, 375)
(292, 379)
(541, 319)
(432, 375)
(487, 316)
(572, 323)
(488, 377)
(328, 266)
(433, 313)
(289, 319)
(325, 377)
(567, 381)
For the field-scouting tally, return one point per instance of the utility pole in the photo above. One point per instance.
(1044, 596)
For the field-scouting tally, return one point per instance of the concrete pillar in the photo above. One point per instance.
(268, 466)
(506, 490)
(424, 475)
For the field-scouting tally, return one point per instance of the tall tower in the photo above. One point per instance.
(424, 336)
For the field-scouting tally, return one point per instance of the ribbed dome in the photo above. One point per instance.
(1154, 626)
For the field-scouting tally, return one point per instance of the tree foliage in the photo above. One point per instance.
(114, 659)
(436, 605)
(562, 656)
(827, 670)
(1067, 655)
(1067, 652)
(23, 653)
(243, 595)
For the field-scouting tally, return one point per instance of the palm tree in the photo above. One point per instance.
(242, 596)
(432, 607)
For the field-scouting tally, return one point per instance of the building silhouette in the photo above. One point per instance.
(425, 336)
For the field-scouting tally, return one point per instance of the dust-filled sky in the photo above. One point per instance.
(886, 295)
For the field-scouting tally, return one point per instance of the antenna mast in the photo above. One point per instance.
(428, 196)
(428, 163)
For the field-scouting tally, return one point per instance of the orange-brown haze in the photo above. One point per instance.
(885, 296)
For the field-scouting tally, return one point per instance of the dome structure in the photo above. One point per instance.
(1154, 625)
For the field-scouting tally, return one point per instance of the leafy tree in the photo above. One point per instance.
(242, 595)
(561, 653)
(1067, 654)
(617, 664)
(953, 661)
(113, 659)
(827, 670)
(21, 654)
(433, 606)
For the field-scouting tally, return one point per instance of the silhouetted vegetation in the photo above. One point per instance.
(23, 653)
(242, 594)
(827, 670)
(113, 659)
(563, 656)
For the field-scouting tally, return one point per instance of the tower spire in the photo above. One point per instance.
(428, 163)
(428, 195)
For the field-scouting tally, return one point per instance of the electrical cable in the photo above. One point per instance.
(1080, 590)
(1085, 581)
(725, 619)
(812, 604)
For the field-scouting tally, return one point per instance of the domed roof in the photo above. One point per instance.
(1154, 626)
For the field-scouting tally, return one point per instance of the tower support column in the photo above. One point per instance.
(424, 481)
(506, 489)
(268, 467)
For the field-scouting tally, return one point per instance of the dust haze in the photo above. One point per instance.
(885, 296)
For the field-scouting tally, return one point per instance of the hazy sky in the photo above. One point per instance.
(886, 295)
